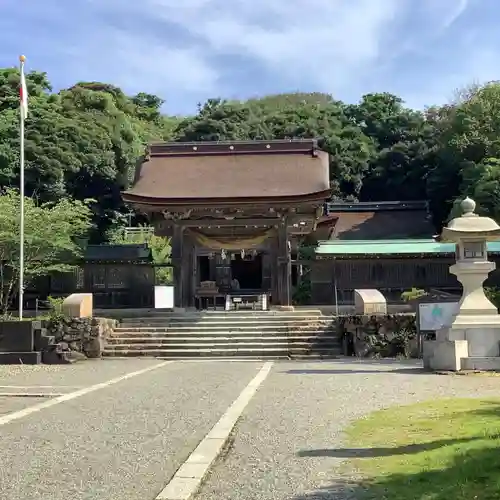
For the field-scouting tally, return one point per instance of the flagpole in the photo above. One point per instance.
(22, 60)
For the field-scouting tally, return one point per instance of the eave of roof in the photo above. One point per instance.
(390, 248)
(152, 201)
(117, 253)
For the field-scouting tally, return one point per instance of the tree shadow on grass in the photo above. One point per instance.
(383, 452)
(471, 476)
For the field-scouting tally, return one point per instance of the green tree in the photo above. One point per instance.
(52, 232)
(289, 116)
(82, 142)
(159, 246)
(402, 138)
(468, 150)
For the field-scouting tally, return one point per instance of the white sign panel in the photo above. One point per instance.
(436, 316)
(164, 297)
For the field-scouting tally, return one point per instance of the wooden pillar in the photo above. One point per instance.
(284, 265)
(266, 270)
(273, 257)
(187, 271)
(194, 275)
(177, 253)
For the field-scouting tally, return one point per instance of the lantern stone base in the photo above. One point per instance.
(444, 355)
(482, 364)
(471, 341)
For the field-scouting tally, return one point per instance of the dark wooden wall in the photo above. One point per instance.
(113, 284)
(392, 276)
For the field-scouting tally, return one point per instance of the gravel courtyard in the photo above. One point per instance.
(289, 440)
(127, 440)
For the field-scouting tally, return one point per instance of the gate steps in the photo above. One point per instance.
(235, 334)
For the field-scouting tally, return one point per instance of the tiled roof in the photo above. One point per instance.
(379, 225)
(251, 169)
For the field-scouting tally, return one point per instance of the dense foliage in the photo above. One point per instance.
(55, 233)
(159, 246)
(83, 142)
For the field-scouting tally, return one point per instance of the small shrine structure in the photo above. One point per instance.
(234, 212)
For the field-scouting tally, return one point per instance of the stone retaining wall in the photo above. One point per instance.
(84, 335)
(385, 336)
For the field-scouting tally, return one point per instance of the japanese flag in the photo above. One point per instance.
(23, 94)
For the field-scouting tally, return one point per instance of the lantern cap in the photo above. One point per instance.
(470, 225)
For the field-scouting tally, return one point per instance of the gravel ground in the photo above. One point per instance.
(288, 442)
(121, 442)
(73, 376)
(10, 404)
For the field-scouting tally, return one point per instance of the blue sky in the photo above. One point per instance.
(189, 50)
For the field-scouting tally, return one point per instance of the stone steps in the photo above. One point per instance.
(196, 340)
(221, 321)
(235, 334)
(230, 327)
(228, 352)
(217, 345)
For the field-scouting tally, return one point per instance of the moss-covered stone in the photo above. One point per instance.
(392, 335)
(85, 335)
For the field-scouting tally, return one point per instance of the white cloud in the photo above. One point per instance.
(95, 47)
(180, 49)
(476, 67)
(330, 41)
(139, 62)
(454, 11)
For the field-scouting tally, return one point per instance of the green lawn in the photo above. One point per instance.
(441, 450)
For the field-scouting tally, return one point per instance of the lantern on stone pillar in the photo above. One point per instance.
(472, 340)
(470, 233)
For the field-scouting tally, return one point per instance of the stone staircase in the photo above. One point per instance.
(218, 334)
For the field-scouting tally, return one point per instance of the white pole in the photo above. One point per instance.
(21, 207)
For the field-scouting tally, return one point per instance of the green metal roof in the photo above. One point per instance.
(388, 247)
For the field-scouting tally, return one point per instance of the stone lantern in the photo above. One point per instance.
(472, 341)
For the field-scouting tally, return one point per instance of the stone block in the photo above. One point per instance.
(445, 355)
(284, 308)
(20, 358)
(17, 336)
(369, 302)
(93, 348)
(481, 363)
(43, 340)
(78, 305)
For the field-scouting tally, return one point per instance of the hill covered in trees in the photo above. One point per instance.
(83, 142)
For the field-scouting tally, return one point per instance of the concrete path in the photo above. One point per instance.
(288, 443)
(122, 429)
(121, 441)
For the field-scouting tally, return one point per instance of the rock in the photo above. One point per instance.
(76, 356)
(93, 348)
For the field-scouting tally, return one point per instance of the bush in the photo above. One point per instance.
(413, 294)
(387, 336)
(493, 294)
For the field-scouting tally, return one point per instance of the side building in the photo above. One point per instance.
(118, 276)
(388, 246)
